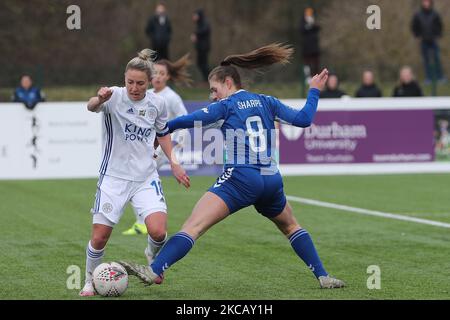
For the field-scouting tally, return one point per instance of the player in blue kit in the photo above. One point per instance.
(250, 176)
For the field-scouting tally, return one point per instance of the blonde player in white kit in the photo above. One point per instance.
(133, 118)
(166, 71)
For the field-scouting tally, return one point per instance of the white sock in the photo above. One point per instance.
(139, 219)
(155, 246)
(93, 260)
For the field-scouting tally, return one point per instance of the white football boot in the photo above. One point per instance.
(327, 282)
(88, 290)
(144, 273)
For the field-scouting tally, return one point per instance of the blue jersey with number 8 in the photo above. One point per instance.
(248, 124)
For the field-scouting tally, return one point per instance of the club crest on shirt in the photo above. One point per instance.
(152, 113)
(107, 207)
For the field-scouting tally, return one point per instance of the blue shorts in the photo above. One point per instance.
(241, 187)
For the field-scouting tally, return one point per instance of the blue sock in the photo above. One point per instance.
(304, 247)
(174, 249)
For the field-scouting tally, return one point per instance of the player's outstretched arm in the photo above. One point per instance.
(205, 116)
(303, 117)
(103, 95)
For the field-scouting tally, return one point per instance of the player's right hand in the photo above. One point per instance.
(319, 80)
(180, 174)
(104, 94)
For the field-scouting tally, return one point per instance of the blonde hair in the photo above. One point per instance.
(143, 62)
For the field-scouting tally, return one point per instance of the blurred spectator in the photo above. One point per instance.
(159, 30)
(443, 138)
(309, 31)
(202, 40)
(332, 88)
(427, 26)
(368, 87)
(28, 94)
(407, 87)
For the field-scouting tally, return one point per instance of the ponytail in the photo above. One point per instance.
(262, 57)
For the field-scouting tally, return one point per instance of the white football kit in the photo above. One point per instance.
(128, 170)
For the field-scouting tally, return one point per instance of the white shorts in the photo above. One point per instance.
(113, 194)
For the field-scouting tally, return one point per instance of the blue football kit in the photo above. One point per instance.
(251, 175)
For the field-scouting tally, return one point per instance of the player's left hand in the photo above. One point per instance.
(319, 80)
(180, 174)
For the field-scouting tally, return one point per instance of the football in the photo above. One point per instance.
(110, 279)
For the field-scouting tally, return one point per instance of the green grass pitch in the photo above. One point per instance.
(45, 226)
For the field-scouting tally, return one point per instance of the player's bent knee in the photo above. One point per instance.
(156, 224)
(98, 242)
(157, 234)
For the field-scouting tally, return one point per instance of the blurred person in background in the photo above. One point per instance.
(202, 40)
(368, 87)
(133, 118)
(427, 26)
(159, 30)
(309, 32)
(28, 94)
(408, 86)
(332, 88)
(443, 138)
(166, 71)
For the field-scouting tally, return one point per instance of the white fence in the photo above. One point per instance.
(56, 140)
(64, 140)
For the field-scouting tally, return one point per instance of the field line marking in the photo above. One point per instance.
(367, 212)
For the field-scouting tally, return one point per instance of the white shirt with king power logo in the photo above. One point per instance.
(129, 129)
